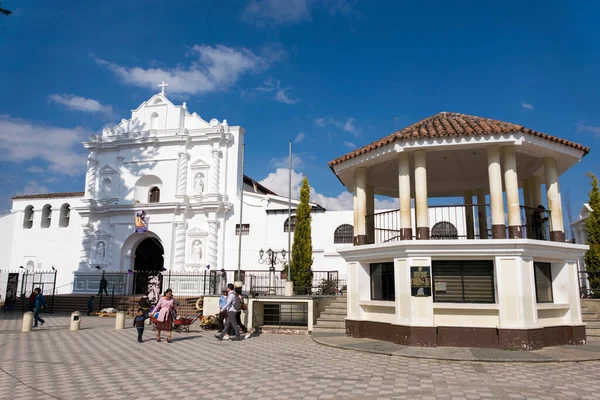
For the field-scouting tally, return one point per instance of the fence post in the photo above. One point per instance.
(169, 282)
(53, 293)
(204, 291)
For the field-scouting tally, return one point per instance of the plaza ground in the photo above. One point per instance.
(99, 362)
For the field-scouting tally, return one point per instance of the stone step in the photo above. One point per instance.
(331, 324)
(336, 311)
(331, 317)
(338, 305)
(593, 325)
(328, 330)
(592, 332)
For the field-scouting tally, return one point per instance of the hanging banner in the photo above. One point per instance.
(140, 222)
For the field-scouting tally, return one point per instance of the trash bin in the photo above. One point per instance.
(75, 320)
(27, 321)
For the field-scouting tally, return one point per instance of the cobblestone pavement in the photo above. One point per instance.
(99, 362)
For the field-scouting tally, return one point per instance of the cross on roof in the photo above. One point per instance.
(162, 86)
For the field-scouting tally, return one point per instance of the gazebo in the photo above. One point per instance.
(494, 271)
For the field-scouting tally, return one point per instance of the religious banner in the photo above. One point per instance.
(420, 281)
(140, 222)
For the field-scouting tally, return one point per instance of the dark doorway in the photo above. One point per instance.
(149, 263)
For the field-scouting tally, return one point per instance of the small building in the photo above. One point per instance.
(580, 236)
(509, 281)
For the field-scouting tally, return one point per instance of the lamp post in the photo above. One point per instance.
(272, 259)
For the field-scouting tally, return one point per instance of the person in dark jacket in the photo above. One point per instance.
(103, 286)
(40, 303)
(138, 323)
(90, 305)
(32, 301)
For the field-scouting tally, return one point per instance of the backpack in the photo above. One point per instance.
(237, 303)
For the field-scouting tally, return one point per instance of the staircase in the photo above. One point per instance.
(333, 318)
(592, 323)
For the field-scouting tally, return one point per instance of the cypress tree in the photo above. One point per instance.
(592, 225)
(302, 248)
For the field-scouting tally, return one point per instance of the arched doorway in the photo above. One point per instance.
(149, 262)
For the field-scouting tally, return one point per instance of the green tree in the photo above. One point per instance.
(592, 225)
(302, 248)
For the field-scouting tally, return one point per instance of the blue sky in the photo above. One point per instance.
(328, 74)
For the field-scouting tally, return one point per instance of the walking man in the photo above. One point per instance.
(40, 303)
(103, 285)
(231, 307)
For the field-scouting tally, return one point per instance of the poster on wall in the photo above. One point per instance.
(140, 222)
(420, 281)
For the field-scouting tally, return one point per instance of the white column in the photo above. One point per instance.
(557, 230)
(182, 175)
(511, 182)
(361, 200)
(370, 222)
(528, 200)
(482, 214)
(86, 242)
(90, 189)
(468, 202)
(421, 195)
(404, 196)
(213, 237)
(497, 203)
(180, 246)
(216, 170)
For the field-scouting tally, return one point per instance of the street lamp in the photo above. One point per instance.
(272, 259)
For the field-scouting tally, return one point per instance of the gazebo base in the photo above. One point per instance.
(455, 336)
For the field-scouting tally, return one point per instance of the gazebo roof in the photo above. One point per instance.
(447, 124)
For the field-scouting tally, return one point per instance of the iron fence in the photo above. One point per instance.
(17, 286)
(265, 283)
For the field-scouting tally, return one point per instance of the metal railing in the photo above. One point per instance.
(17, 286)
(466, 221)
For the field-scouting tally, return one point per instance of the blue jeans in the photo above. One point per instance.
(36, 317)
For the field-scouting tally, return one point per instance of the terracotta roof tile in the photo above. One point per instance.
(453, 124)
(49, 195)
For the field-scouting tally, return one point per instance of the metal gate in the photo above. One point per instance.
(17, 286)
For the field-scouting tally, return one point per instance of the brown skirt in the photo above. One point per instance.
(165, 325)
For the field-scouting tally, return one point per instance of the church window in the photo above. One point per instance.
(286, 224)
(28, 217)
(154, 121)
(65, 216)
(46, 216)
(154, 195)
(244, 230)
(344, 234)
(444, 230)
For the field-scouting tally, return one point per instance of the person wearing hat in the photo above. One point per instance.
(538, 220)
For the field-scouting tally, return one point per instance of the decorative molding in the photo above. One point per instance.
(197, 233)
(107, 170)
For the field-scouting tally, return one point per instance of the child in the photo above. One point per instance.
(138, 322)
(90, 305)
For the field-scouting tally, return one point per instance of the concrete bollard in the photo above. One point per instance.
(120, 320)
(289, 288)
(27, 322)
(75, 320)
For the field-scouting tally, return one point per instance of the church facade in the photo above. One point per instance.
(162, 190)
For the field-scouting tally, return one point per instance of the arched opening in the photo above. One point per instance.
(143, 187)
(154, 195)
(46, 216)
(154, 121)
(149, 262)
(65, 215)
(444, 230)
(286, 224)
(28, 217)
(106, 190)
(344, 234)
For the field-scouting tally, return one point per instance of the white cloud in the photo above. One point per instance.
(276, 12)
(21, 140)
(347, 126)
(287, 12)
(82, 104)
(583, 128)
(349, 145)
(281, 94)
(35, 170)
(284, 162)
(214, 68)
(527, 106)
(300, 137)
(33, 188)
(320, 122)
(278, 182)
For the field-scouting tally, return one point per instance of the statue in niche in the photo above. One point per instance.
(199, 183)
(100, 251)
(196, 253)
(106, 188)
